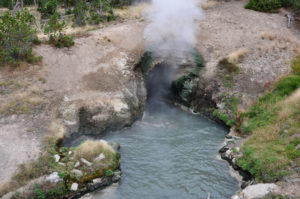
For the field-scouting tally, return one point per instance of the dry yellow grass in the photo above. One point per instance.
(57, 129)
(132, 12)
(237, 56)
(91, 149)
(208, 4)
(268, 35)
(294, 98)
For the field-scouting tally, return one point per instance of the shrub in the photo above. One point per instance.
(16, 37)
(54, 28)
(62, 41)
(47, 7)
(264, 5)
(295, 4)
(80, 11)
(5, 3)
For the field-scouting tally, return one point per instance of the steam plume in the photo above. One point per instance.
(172, 30)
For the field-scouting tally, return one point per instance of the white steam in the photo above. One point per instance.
(172, 28)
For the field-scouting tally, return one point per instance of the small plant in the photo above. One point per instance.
(109, 173)
(39, 193)
(62, 175)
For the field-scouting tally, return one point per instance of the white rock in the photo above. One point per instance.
(258, 190)
(74, 186)
(100, 157)
(70, 152)
(77, 164)
(87, 163)
(57, 157)
(235, 197)
(97, 180)
(53, 178)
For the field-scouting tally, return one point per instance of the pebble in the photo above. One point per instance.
(57, 157)
(74, 186)
(77, 164)
(97, 180)
(87, 163)
(100, 157)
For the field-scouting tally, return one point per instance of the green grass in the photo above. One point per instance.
(228, 117)
(274, 124)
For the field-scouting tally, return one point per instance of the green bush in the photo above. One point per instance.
(295, 4)
(5, 3)
(47, 7)
(272, 5)
(54, 28)
(80, 12)
(62, 41)
(16, 37)
(264, 5)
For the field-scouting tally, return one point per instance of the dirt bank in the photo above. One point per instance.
(94, 77)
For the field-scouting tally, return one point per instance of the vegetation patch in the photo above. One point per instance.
(272, 5)
(274, 121)
(54, 28)
(183, 86)
(16, 38)
(228, 117)
(145, 63)
(46, 164)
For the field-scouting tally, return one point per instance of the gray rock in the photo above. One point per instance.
(116, 177)
(84, 161)
(256, 191)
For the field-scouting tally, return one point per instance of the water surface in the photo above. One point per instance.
(170, 154)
